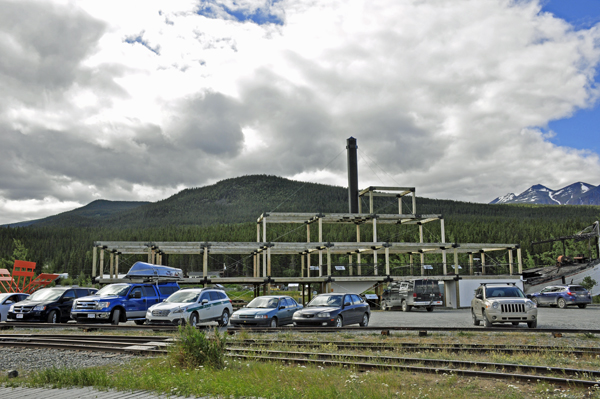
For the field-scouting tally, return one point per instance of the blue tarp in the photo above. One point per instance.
(142, 269)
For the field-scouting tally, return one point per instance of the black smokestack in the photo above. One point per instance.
(352, 175)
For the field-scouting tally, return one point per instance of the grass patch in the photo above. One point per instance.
(193, 348)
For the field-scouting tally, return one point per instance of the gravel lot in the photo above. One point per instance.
(588, 318)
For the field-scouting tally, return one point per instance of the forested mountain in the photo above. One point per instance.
(94, 211)
(227, 211)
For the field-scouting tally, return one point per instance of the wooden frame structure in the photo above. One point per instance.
(266, 248)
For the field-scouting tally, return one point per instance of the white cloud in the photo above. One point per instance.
(136, 100)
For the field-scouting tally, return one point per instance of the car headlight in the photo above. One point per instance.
(324, 314)
(74, 306)
(178, 310)
(261, 316)
(495, 305)
(12, 308)
(530, 305)
(234, 316)
(39, 308)
(102, 305)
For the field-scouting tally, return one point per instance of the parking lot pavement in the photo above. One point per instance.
(547, 318)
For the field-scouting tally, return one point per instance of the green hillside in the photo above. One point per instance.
(227, 211)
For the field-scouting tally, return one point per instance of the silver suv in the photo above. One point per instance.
(502, 303)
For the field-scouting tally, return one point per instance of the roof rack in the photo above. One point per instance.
(502, 283)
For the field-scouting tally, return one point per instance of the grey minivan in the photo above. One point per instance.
(414, 293)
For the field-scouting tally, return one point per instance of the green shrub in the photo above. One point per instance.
(193, 348)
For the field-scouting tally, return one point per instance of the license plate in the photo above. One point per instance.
(91, 315)
(19, 316)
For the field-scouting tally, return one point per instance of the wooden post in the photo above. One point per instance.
(308, 264)
(149, 255)
(269, 261)
(375, 264)
(510, 262)
(482, 263)
(519, 259)
(444, 259)
(411, 260)
(112, 265)
(328, 262)
(102, 263)
(205, 262)
(471, 263)
(117, 265)
(320, 251)
(358, 256)
(387, 261)
(264, 257)
(456, 263)
(421, 252)
(94, 261)
(371, 202)
(350, 263)
(414, 202)
(301, 265)
(399, 205)
(254, 264)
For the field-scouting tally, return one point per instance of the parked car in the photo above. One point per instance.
(268, 310)
(7, 300)
(502, 303)
(50, 305)
(121, 302)
(562, 296)
(335, 310)
(414, 293)
(193, 306)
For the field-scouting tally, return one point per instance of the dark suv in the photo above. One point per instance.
(562, 296)
(415, 293)
(50, 305)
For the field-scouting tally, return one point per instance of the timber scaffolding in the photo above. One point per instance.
(262, 250)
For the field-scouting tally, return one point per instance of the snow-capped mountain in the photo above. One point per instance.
(575, 194)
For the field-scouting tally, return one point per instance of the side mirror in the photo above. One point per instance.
(479, 296)
(65, 299)
(347, 304)
(281, 307)
(204, 301)
(136, 295)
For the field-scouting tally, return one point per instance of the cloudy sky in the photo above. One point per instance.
(136, 100)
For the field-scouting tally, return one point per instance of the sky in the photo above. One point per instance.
(137, 100)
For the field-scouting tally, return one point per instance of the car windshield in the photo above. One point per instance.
(113, 289)
(265, 303)
(46, 295)
(326, 300)
(183, 297)
(503, 292)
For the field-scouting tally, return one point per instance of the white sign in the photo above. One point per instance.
(371, 296)
(314, 268)
(340, 267)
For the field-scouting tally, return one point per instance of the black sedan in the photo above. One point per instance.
(335, 310)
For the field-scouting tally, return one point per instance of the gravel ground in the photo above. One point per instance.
(25, 359)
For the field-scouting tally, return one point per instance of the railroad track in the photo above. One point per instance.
(565, 376)
(420, 347)
(158, 346)
(5, 325)
(116, 344)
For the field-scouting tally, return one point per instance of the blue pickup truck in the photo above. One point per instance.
(121, 302)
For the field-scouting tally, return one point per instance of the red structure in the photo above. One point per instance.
(23, 278)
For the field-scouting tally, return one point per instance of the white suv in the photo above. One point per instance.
(502, 303)
(193, 306)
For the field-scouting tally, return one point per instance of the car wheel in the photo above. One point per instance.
(406, 307)
(429, 308)
(116, 317)
(534, 300)
(475, 319)
(194, 319)
(365, 321)
(224, 320)
(273, 323)
(139, 322)
(486, 321)
(532, 324)
(582, 305)
(561, 303)
(339, 322)
(53, 317)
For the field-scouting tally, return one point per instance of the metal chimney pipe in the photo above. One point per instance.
(352, 175)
